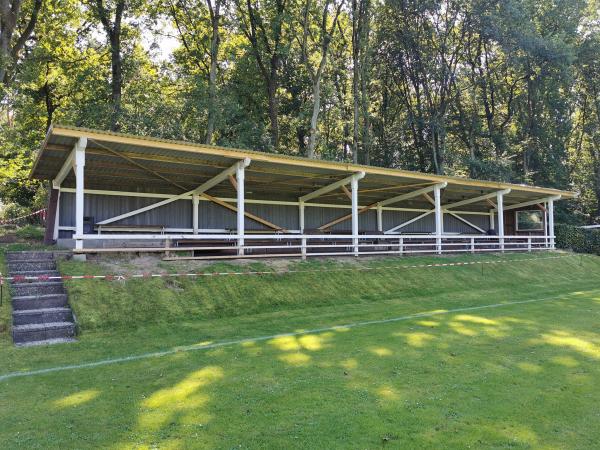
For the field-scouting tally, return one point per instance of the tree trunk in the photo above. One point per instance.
(9, 17)
(364, 75)
(113, 32)
(355, 78)
(215, 17)
(116, 82)
(273, 110)
(312, 140)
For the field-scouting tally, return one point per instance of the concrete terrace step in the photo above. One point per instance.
(41, 264)
(41, 312)
(37, 288)
(33, 302)
(34, 273)
(46, 342)
(43, 315)
(42, 331)
(28, 256)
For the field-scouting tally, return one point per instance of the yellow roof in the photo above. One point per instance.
(117, 161)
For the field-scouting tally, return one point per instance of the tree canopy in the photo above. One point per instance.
(503, 90)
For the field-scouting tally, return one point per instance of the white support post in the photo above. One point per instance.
(301, 216)
(199, 190)
(240, 207)
(354, 191)
(56, 218)
(500, 209)
(408, 222)
(195, 202)
(79, 165)
(492, 220)
(379, 218)
(546, 228)
(401, 246)
(472, 245)
(303, 245)
(439, 220)
(551, 222)
(529, 244)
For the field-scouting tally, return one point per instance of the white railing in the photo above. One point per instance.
(304, 245)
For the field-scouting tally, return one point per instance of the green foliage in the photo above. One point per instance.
(577, 239)
(505, 91)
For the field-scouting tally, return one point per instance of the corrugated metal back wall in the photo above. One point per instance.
(178, 214)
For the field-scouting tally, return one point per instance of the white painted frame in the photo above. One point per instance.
(173, 198)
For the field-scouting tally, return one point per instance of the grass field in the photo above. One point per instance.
(501, 355)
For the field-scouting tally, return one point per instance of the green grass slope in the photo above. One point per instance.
(521, 375)
(101, 304)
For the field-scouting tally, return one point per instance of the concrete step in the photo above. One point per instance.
(42, 331)
(28, 302)
(46, 342)
(34, 273)
(40, 264)
(27, 256)
(43, 315)
(37, 288)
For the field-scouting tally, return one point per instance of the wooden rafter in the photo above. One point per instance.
(347, 192)
(205, 195)
(346, 217)
(233, 181)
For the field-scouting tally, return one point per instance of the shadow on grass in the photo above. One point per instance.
(520, 378)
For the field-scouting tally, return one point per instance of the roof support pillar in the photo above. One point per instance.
(379, 218)
(56, 217)
(79, 165)
(439, 218)
(492, 220)
(550, 210)
(195, 201)
(354, 192)
(239, 175)
(301, 216)
(500, 209)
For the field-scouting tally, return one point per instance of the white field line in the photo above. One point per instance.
(21, 278)
(194, 347)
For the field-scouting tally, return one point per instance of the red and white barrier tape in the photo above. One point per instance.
(23, 278)
(39, 212)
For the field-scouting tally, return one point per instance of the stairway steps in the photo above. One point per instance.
(34, 273)
(37, 288)
(43, 315)
(46, 342)
(26, 302)
(41, 312)
(42, 331)
(29, 256)
(31, 265)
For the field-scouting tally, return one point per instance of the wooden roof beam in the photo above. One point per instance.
(198, 191)
(468, 201)
(332, 186)
(412, 194)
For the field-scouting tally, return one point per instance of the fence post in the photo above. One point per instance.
(472, 245)
(303, 248)
(401, 246)
(529, 244)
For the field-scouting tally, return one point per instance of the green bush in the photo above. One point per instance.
(577, 239)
